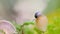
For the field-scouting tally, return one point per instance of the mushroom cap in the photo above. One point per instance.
(7, 27)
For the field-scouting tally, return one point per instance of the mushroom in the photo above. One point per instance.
(7, 27)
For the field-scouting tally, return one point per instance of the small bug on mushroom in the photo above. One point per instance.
(41, 21)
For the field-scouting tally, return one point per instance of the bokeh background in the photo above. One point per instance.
(20, 11)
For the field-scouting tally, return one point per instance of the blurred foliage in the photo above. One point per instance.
(2, 32)
(52, 28)
(53, 14)
(17, 26)
(54, 22)
(29, 28)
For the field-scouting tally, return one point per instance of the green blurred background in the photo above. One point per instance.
(53, 13)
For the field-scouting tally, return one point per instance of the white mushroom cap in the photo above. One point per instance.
(7, 27)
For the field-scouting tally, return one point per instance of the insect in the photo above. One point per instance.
(41, 21)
